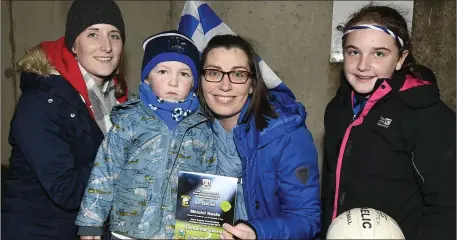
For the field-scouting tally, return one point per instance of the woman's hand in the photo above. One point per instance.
(241, 231)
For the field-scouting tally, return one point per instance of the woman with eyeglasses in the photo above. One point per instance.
(263, 142)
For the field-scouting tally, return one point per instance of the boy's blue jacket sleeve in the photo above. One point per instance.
(98, 197)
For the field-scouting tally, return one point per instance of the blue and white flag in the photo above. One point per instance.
(201, 23)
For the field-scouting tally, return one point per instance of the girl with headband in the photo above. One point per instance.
(390, 140)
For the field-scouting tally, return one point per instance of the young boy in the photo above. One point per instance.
(135, 174)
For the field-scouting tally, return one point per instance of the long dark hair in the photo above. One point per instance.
(391, 19)
(260, 107)
(121, 86)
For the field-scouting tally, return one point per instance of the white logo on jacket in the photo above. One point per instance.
(384, 122)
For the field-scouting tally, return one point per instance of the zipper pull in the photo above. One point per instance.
(353, 118)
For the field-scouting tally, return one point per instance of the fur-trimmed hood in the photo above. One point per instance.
(36, 61)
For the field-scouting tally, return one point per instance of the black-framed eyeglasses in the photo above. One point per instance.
(236, 76)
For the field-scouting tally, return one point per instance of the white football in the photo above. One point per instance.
(364, 223)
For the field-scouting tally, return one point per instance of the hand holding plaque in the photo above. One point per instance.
(204, 203)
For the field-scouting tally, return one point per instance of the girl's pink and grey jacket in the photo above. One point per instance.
(396, 155)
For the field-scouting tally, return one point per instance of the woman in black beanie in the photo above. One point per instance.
(68, 89)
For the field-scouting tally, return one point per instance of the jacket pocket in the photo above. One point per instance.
(78, 120)
(266, 202)
(27, 198)
(269, 183)
(75, 117)
(130, 209)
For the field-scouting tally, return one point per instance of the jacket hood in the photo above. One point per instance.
(418, 93)
(37, 71)
(291, 115)
(122, 109)
(35, 61)
(52, 58)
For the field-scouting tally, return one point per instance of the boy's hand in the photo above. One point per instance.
(90, 238)
(241, 231)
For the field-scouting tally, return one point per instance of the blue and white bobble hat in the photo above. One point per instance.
(375, 27)
(170, 46)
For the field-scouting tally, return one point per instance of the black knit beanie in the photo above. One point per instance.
(85, 13)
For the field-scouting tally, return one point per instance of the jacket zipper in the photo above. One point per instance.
(383, 92)
(245, 181)
(167, 180)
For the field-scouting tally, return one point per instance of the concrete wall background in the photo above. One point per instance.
(434, 43)
(293, 37)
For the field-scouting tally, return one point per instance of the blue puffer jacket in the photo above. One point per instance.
(280, 173)
(135, 174)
